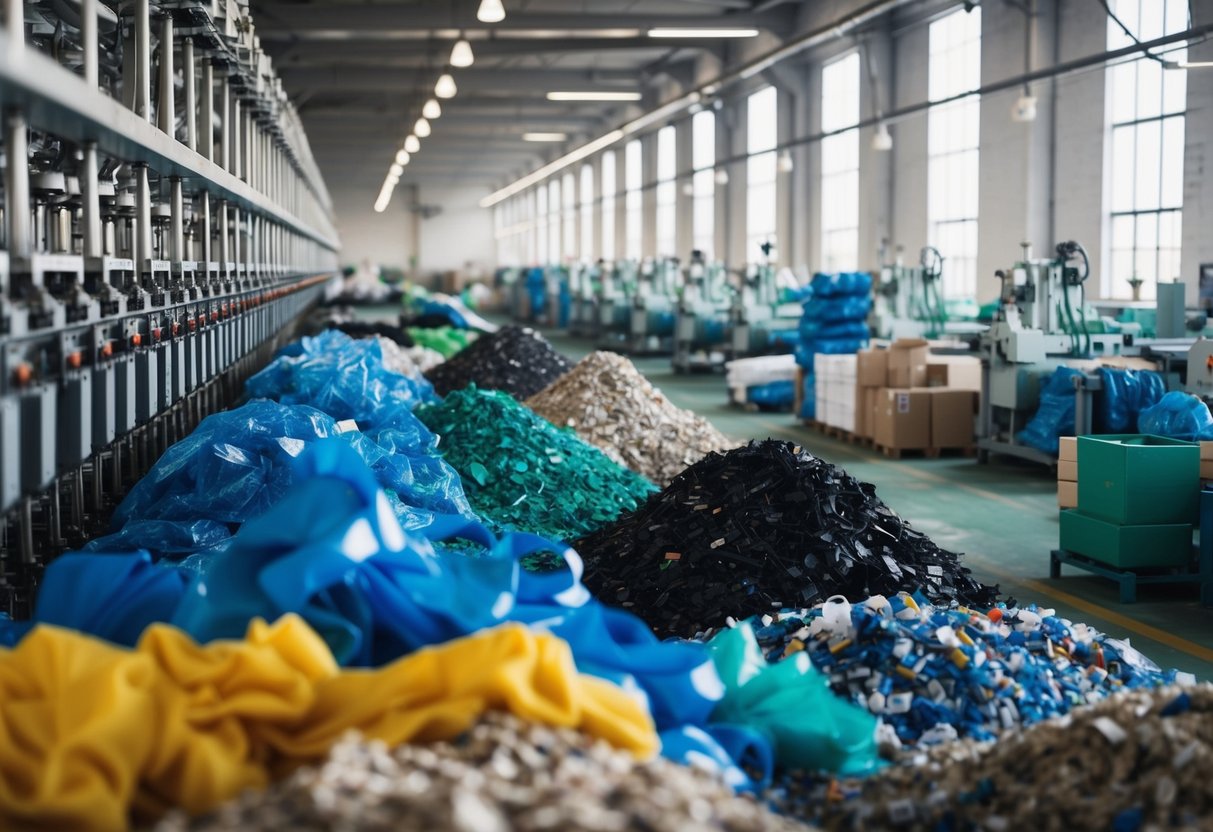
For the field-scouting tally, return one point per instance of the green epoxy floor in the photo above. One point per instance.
(1003, 516)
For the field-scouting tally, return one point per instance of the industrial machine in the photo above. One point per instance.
(584, 279)
(154, 249)
(907, 302)
(1041, 322)
(559, 301)
(615, 292)
(701, 319)
(652, 327)
(760, 323)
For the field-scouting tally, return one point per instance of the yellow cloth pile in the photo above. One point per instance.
(92, 735)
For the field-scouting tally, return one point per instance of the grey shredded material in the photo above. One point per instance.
(607, 401)
(1137, 760)
(502, 775)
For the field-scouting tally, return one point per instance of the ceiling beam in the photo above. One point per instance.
(533, 81)
(394, 53)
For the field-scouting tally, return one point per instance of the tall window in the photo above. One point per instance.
(587, 212)
(761, 124)
(608, 205)
(568, 216)
(633, 178)
(541, 225)
(1145, 114)
(840, 165)
(952, 139)
(703, 181)
(667, 192)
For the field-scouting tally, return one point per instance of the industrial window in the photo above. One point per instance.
(608, 205)
(568, 216)
(952, 141)
(761, 126)
(633, 206)
(840, 165)
(1145, 113)
(703, 181)
(554, 204)
(541, 225)
(587, 212)
(667, 192)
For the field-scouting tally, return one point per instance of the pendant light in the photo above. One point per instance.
(421, 128)
(412, 144)
(445, 88)
(461, 54)
(432, 109)
(490, 11)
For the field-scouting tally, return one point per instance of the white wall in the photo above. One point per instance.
(388, 239)
(462, 233)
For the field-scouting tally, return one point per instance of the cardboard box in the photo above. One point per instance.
(1068, 448)
(953, 418)
(1206, 469)
(958, 372)
(871, 403)
(903, 419)
(872, 368)
(908, 363)
(1067, 469)
(862, 416)
(1126, 547)
(1206, 451)
(1067, 494)
(1132, 479)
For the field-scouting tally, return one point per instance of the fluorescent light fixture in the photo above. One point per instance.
(881, 140)
(461, 54)
(593, 96)
(490, 11)
(432, 109)
(1187, 64)
(402, 157)
(544, 137)
(421, 128)
(662, 32)
(445, 88)
(784, 163)
(396, 170)
(586, 150)
(412, 144)
(722, 177)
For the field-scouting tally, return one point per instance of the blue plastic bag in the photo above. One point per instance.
(772, 394)
(808, 401)
(1179, 416)
(840, 284)
(845, 308)
(1055, 416)
(1125, 394)
(833, 330)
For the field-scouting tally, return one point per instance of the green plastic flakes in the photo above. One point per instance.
(444, 340)
(521, 472)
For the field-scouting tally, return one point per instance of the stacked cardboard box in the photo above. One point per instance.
(906, 399)
(1137, 500)
(835, 386)
(1067, 472)
(1206, 461)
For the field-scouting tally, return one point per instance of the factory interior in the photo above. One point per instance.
(606, 415)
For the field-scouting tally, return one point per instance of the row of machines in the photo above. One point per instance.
(164, 224)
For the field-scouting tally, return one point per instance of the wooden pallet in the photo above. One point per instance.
(924, 453)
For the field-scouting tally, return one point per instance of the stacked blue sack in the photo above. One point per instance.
(834, 323)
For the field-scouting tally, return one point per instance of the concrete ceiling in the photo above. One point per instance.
(360, 72)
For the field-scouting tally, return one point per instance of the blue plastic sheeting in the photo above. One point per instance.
(1179, 416)
(346, 379)
(772, 394)
(1125, 394)
(238, 463)
(845, 308)
(808, 401)
(819, 330)
(429, 306)
(537, 291)
(332, 551)
(1055, 416)
(841, 285)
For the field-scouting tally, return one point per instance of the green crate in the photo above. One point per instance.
(1126, 547)
(1133, 479)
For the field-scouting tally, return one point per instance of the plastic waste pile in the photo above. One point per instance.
(834, 322)
(524, 474)
(446, 341)
(515, 359)
(614, 408)
(760, 528)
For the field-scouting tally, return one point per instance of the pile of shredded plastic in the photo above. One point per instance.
(515, 359)
(444, 340)
(1139, 760)
(409, 361)
(614, 408)
(935, 673)
(523, 473)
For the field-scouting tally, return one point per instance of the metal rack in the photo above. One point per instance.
(164, 223)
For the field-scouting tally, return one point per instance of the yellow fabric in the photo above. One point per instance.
(90, 733)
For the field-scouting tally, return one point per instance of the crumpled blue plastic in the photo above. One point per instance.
(772, 394)
(238, 463)
(429, 306)
(345, 378)
(1178, 415)
(843, 308)
(1125, 394)
(1055, 416)
(841, 284)
(832, 330)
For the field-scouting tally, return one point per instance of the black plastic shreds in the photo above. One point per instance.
(761, 528)
(369, 329)
(515, 359)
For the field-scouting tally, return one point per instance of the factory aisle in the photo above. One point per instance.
(1002, 516)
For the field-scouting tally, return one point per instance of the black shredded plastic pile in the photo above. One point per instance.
(369, 329)
(760, 528)
(515, 359)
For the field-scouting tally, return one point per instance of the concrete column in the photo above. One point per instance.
(596, 210)
(621, 201)
(909, 155)
(875, 166)
(1198, 161)
(789, 223)
(648, 196)
(684, 231)
(731, 141)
